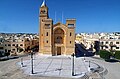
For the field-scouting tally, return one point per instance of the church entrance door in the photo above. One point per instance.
(58, 50)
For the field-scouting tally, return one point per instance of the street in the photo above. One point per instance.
(112, 67)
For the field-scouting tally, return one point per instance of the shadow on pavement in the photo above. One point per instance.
(8, 58)
(111, 60)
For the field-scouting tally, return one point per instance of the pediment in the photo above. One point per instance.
(59, 24)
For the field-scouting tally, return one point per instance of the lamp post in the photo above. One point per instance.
(84, 56)
(21, 61)
(32, 62)
(89, 63)
(73, 55)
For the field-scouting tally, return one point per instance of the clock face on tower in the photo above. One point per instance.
(43, 11)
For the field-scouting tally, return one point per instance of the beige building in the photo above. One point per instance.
(1, 45)
(55, 39)
(110, 44)
(14, 45)
(79, 38)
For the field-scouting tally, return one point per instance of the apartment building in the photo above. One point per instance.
(1, 45)
(14, 43)
(110, 44)
(13, 46)
(107, 41)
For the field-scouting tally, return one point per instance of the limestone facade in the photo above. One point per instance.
(55, 39)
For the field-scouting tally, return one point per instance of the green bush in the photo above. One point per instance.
(117, 54)
(0, 54)
(7, 54)
(20, 49)
(105, 54)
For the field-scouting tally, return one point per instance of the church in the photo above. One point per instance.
(55, 39)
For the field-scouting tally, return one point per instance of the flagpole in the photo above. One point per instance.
(62, 17)
(55, 16)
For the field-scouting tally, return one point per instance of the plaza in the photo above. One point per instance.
(61, 66)
(12, 69)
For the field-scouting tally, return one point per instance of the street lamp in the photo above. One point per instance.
(89, 63)
(32, 62)
(22, 62)
(73, 55)
(84, 56)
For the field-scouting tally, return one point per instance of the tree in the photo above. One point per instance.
(0, 54)
(97, 46)
(28, 48)
(117, 54)
(105, 54)
(20, 49)
(113, 53)
(7, 54)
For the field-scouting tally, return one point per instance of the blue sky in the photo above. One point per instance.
(91, 15)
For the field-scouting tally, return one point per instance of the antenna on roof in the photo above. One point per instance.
(55, 16)
(62, 17)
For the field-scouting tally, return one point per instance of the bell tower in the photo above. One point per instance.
(45, 30)
(43, 14)
(44, 11)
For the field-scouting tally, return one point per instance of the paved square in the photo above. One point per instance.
(56, 66)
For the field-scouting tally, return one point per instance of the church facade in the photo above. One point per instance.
(55, 39)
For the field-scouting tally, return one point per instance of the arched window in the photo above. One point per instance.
(59, 36)
(70, 34)
(47, 34)
(47, 41)
(59, 40)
